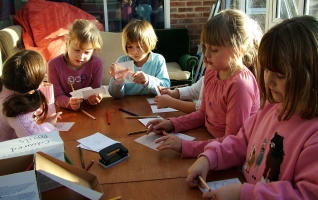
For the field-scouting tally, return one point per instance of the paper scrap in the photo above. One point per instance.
(155, 109)
(217, 184)
(150, 139)
(97, 142)
(87, 93)
(120, 67)
(64, 126)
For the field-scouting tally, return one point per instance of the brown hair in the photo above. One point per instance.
(140, 31)
(233, 28)
(23, 73)
(291, 48)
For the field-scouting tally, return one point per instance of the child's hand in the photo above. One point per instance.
(163, 101)
(169, 142)
(140, 77)
(75, 103)
(112, 70)
(159, 125)
(53, 118)
(95, 99)
(119, 74)
(228, 192)
(199, 168)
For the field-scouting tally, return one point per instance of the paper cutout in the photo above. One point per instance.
(122, 67)
(64, 126)
(96, 142)
(146, 120)
(151, 100)
(88, 91)
(157, 90)
(150, 139)
(217, 184)
(155, 109)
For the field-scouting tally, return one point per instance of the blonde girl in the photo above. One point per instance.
(79, 67)
(230, 96)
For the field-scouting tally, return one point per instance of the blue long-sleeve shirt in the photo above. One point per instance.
(157, 72)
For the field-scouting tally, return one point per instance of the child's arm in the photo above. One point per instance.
(165, 101)
(25, 125)
(193, 91)
(116, 86)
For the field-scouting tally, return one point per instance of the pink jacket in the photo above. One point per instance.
(20, 126)
(226, 104)
(279, 158)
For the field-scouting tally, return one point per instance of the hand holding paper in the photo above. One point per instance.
(123, 71)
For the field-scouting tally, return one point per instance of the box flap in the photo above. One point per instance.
(49, 142)
(72, 177)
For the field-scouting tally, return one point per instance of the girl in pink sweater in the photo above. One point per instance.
(23, 105)
(230, 96)
(277, 146)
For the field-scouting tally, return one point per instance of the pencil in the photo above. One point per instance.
(108, 118)
(67, 159)
(86, 113)
(136, 132)
(204, 183)
(126, 111)
(83, 111)
(140, 117)
(177, 86)
(89, 165)
(115, 198)
(81, 157)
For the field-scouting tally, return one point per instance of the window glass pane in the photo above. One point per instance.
(312, 7)
(286, 9)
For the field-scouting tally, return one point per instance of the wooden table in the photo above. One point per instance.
(146, 174)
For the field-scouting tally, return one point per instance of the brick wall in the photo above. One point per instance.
(191, 15)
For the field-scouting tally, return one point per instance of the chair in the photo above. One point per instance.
(174, 45)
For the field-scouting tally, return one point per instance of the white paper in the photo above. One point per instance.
(87, 93)
(217, 184)
(119, 67)
(78, 93)
(151, 100)
(155, 109)
(64, 126)
(157, 90)
(19, 186)
(146, 120)
(97, 141)
(150, 139)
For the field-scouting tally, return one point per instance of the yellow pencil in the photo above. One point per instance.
(136, 132)
(115, 198)
(140, 117)
(204, 183)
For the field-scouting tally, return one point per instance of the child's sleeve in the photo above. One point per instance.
(161, 77)
(98, 73)
(24, 125)
(191, 92)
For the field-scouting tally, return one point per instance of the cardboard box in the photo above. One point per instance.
(49, 173)
(49, 142)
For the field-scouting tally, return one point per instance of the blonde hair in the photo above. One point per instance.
(233, 28)
(85, 32)
(291, 48)
(140, 31)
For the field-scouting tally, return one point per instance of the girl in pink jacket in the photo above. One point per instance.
(277, 147)
(230, 96)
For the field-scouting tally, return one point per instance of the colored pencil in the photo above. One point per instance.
(204, 183)
(126, 111)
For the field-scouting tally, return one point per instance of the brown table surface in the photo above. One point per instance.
(146, 174)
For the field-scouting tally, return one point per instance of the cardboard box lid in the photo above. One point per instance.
(49, 142)
(72, 177)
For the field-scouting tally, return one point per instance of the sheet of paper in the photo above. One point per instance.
(64, 126)
(151, 100)
(120, 67)
(78, 93)
(97, 141)
(146, 120)
(87, 93)
(161, 110)
(158, 92)
(217, 184)
(150, 139)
